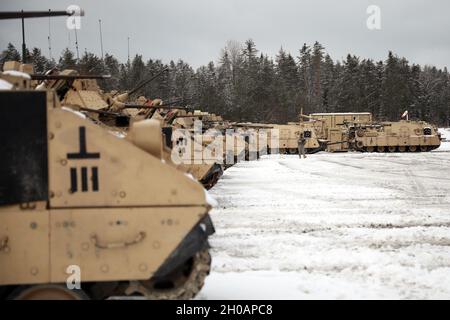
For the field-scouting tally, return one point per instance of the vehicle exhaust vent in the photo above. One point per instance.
(427, 131)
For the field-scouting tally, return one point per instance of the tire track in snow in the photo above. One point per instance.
(382, 225)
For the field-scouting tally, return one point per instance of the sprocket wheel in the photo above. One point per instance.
(183, 283)
(212, 181)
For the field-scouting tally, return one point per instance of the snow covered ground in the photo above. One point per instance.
(333, 226)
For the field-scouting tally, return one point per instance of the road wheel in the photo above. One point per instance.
(360, 133)
(47, 292)
(392, 148)
(293, 150)
(381, 148)
(360, 145)
(402, 148)
(423, 148)
(412, 148)
(370, 149)
(183, 283)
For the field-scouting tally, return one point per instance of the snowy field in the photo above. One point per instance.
(333, 226)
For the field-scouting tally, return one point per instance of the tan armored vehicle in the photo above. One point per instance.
(178, 128)
(85, 93)
(288, 137)
(257, 136)
(401, 136)
(358, 131)
(331, 131)
(311, 133)
(234, 142)
(77, 203)
(112, 111)
(279, 138)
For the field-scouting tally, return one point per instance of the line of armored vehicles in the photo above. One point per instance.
(104, 194)
(342, 132)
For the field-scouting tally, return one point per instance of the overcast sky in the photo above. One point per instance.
(196, 30)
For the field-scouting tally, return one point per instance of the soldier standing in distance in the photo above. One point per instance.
(301, 146)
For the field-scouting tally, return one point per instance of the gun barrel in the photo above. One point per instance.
(145, 82)
(35, 14)
(305, 116)
(67, 77)
(188, 116)
(140, 106)
(101, 112)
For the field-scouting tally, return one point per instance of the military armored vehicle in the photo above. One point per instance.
(330, 129)
(286, 141)
(178, 130)
(400, 136)
(233, 141)
(73, 197)
(113, 112)
(279, 138)
(358, 131)
(258, 136)
(311, 134)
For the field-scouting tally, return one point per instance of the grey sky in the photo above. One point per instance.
(196, 30)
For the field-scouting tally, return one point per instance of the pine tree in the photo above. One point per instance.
(443, 113)
(40, 63)
(10, 54)
(287, 89)
(208, 95)
(67, 60)
(316, 70)
(349, 95)
(245, 81)
(329, 85)
(160, 86)
(266, 99)
(112, 67)
(395, 87)
(124, 79)
(91, 64)
(182, 79)
(137, 73)
(225, 83)
(305, 76)
(248, 85)
(415, 87)
(370, 87)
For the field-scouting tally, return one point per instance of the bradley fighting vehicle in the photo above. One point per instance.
(112, 111)
(79, 204)
(321, 132)
(287, 138)
(257, 136)
(400, 136)
(289, 135)
(187, 149)
(224, 143)
(341, 132)
(278, 138)
(174, 120)
(357, 131)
